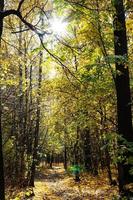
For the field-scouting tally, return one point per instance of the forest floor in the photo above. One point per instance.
(56, 184)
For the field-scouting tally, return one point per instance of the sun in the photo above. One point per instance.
(58, 26)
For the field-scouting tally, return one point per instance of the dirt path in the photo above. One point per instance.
(55, 184)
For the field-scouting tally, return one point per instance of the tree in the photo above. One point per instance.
(37, 126)
(2, 188)
(122, 88)
(2, 184)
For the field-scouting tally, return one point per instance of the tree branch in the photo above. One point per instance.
(20, 5)
(19, 15)
(87, 7)
(66, 69)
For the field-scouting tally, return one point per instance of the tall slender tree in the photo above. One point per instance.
(37, 127)
(2, 185)
(122, 84)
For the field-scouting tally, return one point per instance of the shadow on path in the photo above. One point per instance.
(51, 175)
(55, 184)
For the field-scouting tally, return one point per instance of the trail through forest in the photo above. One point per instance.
(56, 184)
(66, 90)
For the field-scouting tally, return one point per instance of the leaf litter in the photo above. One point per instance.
(56, 184)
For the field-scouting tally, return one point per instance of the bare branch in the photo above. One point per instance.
(65, 44)
(29, 25)
(21, 31)
(20, 5)
(6, 42)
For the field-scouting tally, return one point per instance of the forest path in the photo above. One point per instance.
(55, 184)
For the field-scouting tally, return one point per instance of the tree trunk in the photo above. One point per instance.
(2, 183)
(36, 133)
(108, 163)
(87, 149)
(76, 147)
(51, 159)
(65, 145)
(1, 18)
(30, 120)
(122, 88)
(21, 110)
(65, 157)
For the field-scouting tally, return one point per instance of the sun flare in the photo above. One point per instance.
(58, 26)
